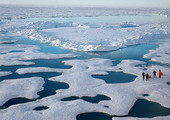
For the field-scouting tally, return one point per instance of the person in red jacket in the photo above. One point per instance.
(160, 73)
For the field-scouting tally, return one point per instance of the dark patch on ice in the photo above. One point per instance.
(141, 109)
(50, 87)
(116, 77)
(95, 99)
(40, 108)
(70, 98)
(145, 95)
(94, 116)
(16, 51)
(128, 24)
(52, 63)
(106, 106)
(147, 109)
(15, 101)
(168, 83)
(167, 53)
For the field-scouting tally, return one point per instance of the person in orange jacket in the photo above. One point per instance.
(160, 73)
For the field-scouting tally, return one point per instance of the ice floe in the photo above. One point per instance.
(123, 96)
(22, 12)
(37, 70)
(86, 37)
(4, 73)
(25, 87)
(27, 52)
(161, 54)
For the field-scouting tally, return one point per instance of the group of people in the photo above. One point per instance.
(149, 76)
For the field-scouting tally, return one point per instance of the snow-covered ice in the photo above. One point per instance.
(91, 35)
(37, 70)
(26, 52)
(101, 37)
(4, 73)
(83, 36)
(25, 87)
(161, 54)
(123, 96)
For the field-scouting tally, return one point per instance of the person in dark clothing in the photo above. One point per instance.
(147, 76)
(154, 73)
(143, 75)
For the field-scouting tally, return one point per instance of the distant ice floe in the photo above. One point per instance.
(24, 87)
(90, 37)
(161, 54)
(22, 12)
(81, 82)
(25, 52)
(37, 70)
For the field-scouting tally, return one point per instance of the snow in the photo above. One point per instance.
(22, 12)
(81, 83)
(24, 87)
(36, 70)
(8, 42)
(4, 73)
(82, 36)
(161, 54)
(89, 36)
(28, 52)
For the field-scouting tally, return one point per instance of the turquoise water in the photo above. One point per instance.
(131, 52)
(95, 99)
(119, 77)
(142, 109)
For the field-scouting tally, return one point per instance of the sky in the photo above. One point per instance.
(107, 3)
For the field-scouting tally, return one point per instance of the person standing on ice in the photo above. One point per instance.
(143, 75)
(160, 73)
(147, 76)
(154, 73)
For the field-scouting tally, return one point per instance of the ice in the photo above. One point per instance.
(22, 12)
(161, 54)
(8, 42)
(24, 87)
(37, 70)
(28, 52)
(88, 36)
(81, 83)
(4, 73)
(82, 36)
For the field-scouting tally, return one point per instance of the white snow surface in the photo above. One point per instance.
(90, 37)
(4, 73)
(37, 70)
(22, 12)
(161, 54)
(123, 95)
(24, 87)
(86, 36)
(83, 37)
(18, 54)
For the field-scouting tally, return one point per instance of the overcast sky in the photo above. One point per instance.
(109, 3)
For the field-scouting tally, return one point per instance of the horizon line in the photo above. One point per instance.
(85, 6)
